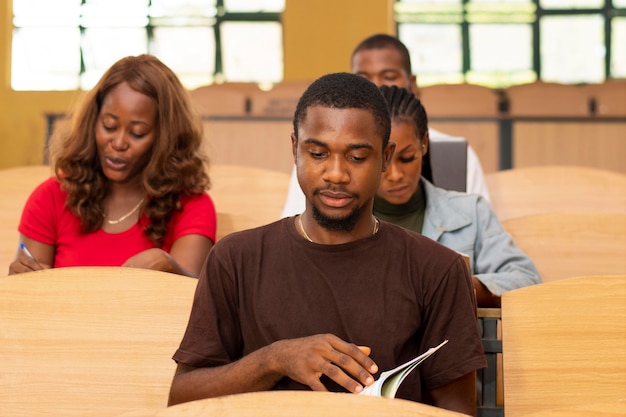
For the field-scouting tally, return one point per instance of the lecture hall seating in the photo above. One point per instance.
(569, 244)
(564, 345)
(90, 341)
(554, 188)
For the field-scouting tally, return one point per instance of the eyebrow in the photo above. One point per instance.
(132, 122)
(313, 141)
(360, 146)
(383, 71)
(407, 147)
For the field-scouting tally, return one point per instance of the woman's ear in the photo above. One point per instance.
(425, 143)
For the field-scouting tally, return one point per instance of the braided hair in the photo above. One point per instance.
(405, 107)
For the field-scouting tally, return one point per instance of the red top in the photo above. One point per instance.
(47, 219)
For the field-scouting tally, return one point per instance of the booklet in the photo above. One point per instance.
(388, 382)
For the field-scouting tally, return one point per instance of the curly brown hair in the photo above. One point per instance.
(176, 166)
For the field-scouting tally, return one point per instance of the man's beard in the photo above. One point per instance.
(344, 224)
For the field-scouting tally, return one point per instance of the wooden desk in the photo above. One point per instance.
(89, 341)
(298, 403)
(615, 408)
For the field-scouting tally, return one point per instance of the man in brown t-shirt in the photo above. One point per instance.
(327, 299)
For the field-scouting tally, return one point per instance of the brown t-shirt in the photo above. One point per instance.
(396, 291)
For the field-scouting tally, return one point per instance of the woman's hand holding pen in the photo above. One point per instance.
(25, 262)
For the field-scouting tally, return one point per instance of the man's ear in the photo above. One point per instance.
(294, 146)
(388, 154)
(414, 88)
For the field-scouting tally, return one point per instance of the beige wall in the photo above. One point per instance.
(319, 36)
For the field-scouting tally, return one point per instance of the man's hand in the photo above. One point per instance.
(306, 359)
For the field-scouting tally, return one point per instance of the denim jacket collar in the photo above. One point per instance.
(441, 217)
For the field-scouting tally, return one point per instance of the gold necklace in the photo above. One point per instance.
(306, 236)
(125, 216)
(304, 231)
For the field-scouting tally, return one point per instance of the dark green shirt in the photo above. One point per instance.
(409, 215)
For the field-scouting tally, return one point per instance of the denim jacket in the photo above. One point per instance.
(467, 224)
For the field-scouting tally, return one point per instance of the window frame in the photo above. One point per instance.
(216, 22)
(464, 19)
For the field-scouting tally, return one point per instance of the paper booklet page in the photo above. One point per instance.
(388, 382)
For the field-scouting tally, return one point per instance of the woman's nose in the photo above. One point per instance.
(119, 141)
(393, 173)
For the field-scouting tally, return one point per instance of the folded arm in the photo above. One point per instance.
(304, 360)
(186, 257)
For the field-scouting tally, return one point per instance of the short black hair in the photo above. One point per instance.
(343, 90)
(382, 41)
(405, 107)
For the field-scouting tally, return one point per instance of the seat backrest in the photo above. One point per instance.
(261, 142)
(16, 185)
(457, 100)
(223, 99)
(246, 197)
(547, 99)
(92, 341)
(544, 189)
(564, 343)
(469, 111)
(280, 100)
(567, 244)
(609, 98)
(448, 163)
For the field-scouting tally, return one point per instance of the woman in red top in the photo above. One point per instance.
(130, 184)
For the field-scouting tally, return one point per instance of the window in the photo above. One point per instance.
(68, 44)
(504, 42)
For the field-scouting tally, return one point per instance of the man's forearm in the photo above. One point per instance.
(484, 297)
(459, 395)
(251, 373)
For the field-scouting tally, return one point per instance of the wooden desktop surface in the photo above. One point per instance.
(297, 403)
(615, 408)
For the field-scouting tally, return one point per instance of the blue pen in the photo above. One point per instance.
(30, 255)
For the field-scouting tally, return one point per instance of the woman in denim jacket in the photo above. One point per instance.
(460, 221)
